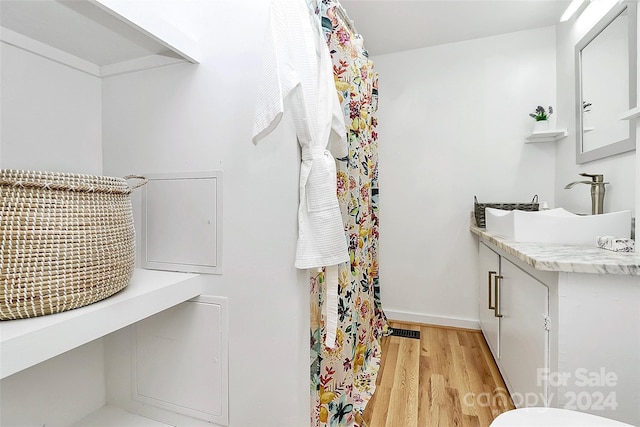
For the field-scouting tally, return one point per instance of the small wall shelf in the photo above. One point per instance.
(631, 114)
(550, 135)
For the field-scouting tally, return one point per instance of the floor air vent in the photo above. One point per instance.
(405, 333)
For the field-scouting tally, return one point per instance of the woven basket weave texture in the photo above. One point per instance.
(478, 208)
(67, 241)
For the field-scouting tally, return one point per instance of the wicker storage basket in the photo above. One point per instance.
(67, 241)
(478, 208)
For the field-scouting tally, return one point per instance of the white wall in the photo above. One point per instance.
(50, 115)
(618, 170)
(51, 122)
(452, 123)
(198, 117)
(57, 392)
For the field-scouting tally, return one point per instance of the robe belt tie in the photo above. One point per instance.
(330, 308)
(310, 153)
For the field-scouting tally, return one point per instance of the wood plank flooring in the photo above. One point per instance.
(446, 378)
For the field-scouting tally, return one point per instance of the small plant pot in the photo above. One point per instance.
(541, 126)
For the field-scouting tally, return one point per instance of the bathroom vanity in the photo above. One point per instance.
(563, 324)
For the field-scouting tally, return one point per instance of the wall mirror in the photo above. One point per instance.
(606, 85)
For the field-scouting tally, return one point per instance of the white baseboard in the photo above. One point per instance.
(405, 316)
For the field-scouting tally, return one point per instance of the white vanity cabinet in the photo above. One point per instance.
(514, 317)
(523, 303)
(565, 324)
(489, 321)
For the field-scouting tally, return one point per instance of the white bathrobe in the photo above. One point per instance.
(298, 75)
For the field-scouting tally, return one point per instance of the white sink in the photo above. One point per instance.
(556, 226)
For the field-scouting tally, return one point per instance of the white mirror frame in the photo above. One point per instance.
(615, 147)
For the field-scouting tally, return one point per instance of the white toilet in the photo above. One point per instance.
(552, 417)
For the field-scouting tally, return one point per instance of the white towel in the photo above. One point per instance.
(616, 244)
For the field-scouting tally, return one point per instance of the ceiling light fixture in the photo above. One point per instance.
(573, 7)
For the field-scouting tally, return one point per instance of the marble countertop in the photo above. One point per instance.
(566, 258)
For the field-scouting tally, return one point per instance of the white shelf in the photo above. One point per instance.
(631, 114)
(99, 37)
(550, 135)
(113, 416)
(27, 342)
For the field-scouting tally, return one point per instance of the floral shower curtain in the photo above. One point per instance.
(343, 379)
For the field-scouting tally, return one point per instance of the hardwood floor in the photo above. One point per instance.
(446, 378)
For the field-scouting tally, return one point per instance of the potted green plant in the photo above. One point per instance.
(541, 116)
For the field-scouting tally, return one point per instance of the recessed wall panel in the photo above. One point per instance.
(182, 222)
(181, 359)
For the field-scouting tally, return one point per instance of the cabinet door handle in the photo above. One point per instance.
(491, 306)
(496, 285)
